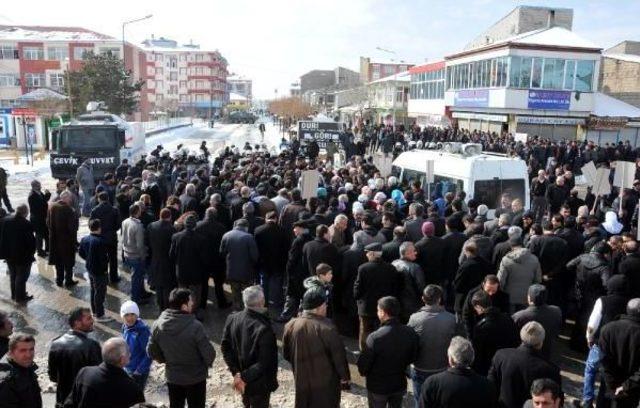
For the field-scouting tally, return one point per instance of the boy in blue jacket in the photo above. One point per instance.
(136, 333)
(93, 250)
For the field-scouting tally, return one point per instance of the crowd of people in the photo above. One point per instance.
(468, 308)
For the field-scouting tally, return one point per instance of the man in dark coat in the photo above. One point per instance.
(18, 379)
(109, 217)
(272, 241)
(187, 252)
(72, 351)
(513, 370)
(459, 386)
(63, 229)
(556, 195)
(391, 249)
(212, 231)
(316, 352)
(452, 241)
(630, 266)
(549, 316)
(241, 256)
(431, 255)
(413, 224)
(18, 247)
(295, 271)
(320, 250)
(620, 345)
(289, 214)
(38, 206)
(470, 274)
(108, 384)
(375, 279)
(162, 269)
(388, 352)
(493, 332)
(93, 250)
(552, 252)
(250, 350)
(500, 299)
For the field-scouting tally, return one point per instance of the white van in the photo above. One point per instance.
(483, 177)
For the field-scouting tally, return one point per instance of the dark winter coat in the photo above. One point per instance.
(435, 328)
(413, 228)
(470, 274)
(104, 386)
(391, 250)
(388, 352)
(67, 355)
(239, 248)
(592, 273)
(110, 222)
(458, 387)
(351, 261)
(493, 332)
(453, 243)
(249, 347)
(550, 317)
(272, 243)
(162, 268)
(63, 231)
(317, 355)
(289, 215)
(94, 252)
(431, 251)
(500, 299)
(620, 346)
(513, 370)
(179, 341)
(629, 267)
(188, 254)
(188, 203)
(18, 244)
(374, 280)
(413, 284)
(38, 206)
(574, 239)
(319, 251)
(295, 268)
(19, 386)
(552, 252)
(211, 232)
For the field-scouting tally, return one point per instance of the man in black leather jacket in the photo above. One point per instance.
(73, 351)
(18, 379)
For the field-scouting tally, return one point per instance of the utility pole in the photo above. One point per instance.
(124, 54)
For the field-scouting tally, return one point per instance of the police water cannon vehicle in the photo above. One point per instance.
(98, 136)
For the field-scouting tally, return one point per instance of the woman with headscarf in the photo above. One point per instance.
(611, 224)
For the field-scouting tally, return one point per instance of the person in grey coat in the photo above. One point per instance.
(179, 341)
(518, 270)
(435, 328)
(87, 184)
(241, 252)
(413, 279)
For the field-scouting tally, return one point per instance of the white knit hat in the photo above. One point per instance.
(129, 307)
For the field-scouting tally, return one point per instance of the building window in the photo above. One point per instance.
(34, 80)
(199, 57)
(199, 98)
(9, 52)
(173, 63)
(159, 71)
(183, 71)
(569, 74)
(199, 84)
(550, 73)
(159, 57)
(173, 76)
(9, 80)
(183, 84)
(199, 70)
(173, 90)
(427, 85)
(115, 51)
(81, 53)
(584, 76)
(150, 83)
(183, 57)
(33, 53)
(184, 98)
(57, 53)
(159, 84)
(56, 81)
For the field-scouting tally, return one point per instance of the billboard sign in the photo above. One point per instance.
(558, 100)
(321, 132)
(471, 98)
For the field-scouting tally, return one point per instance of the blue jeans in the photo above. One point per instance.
(418, 377)
(137, 267)
(86, 201)
(591, 367)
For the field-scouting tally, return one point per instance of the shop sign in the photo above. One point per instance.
(547, 120)
(480, 116)
(5, 111)
(321, 132)
(558, 100)
(471, 98)
(607, 123)
(23, 112)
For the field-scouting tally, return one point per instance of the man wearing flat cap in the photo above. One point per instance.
(312, 345)
(375, 280)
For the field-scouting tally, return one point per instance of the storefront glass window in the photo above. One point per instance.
(584, 76)
(536, 78)
(569, 74)
(525, 72)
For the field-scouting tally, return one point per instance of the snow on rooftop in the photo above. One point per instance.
(623, 57)
(403, 76)
(180, 48)
(605, 105)
(43, 33)
(236, 97)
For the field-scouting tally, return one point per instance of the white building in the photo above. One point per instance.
(185, 77)
(426, 95)
(388, 98)
(241, 86)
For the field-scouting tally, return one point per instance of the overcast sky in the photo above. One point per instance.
(275, 41)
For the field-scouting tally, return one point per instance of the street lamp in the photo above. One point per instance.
(124, 24)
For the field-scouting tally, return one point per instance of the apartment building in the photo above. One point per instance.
(33, 57)
(185, 78)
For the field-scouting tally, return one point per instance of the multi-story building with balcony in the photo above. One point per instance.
(185, 78)
(33, 57)
(241, 86)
